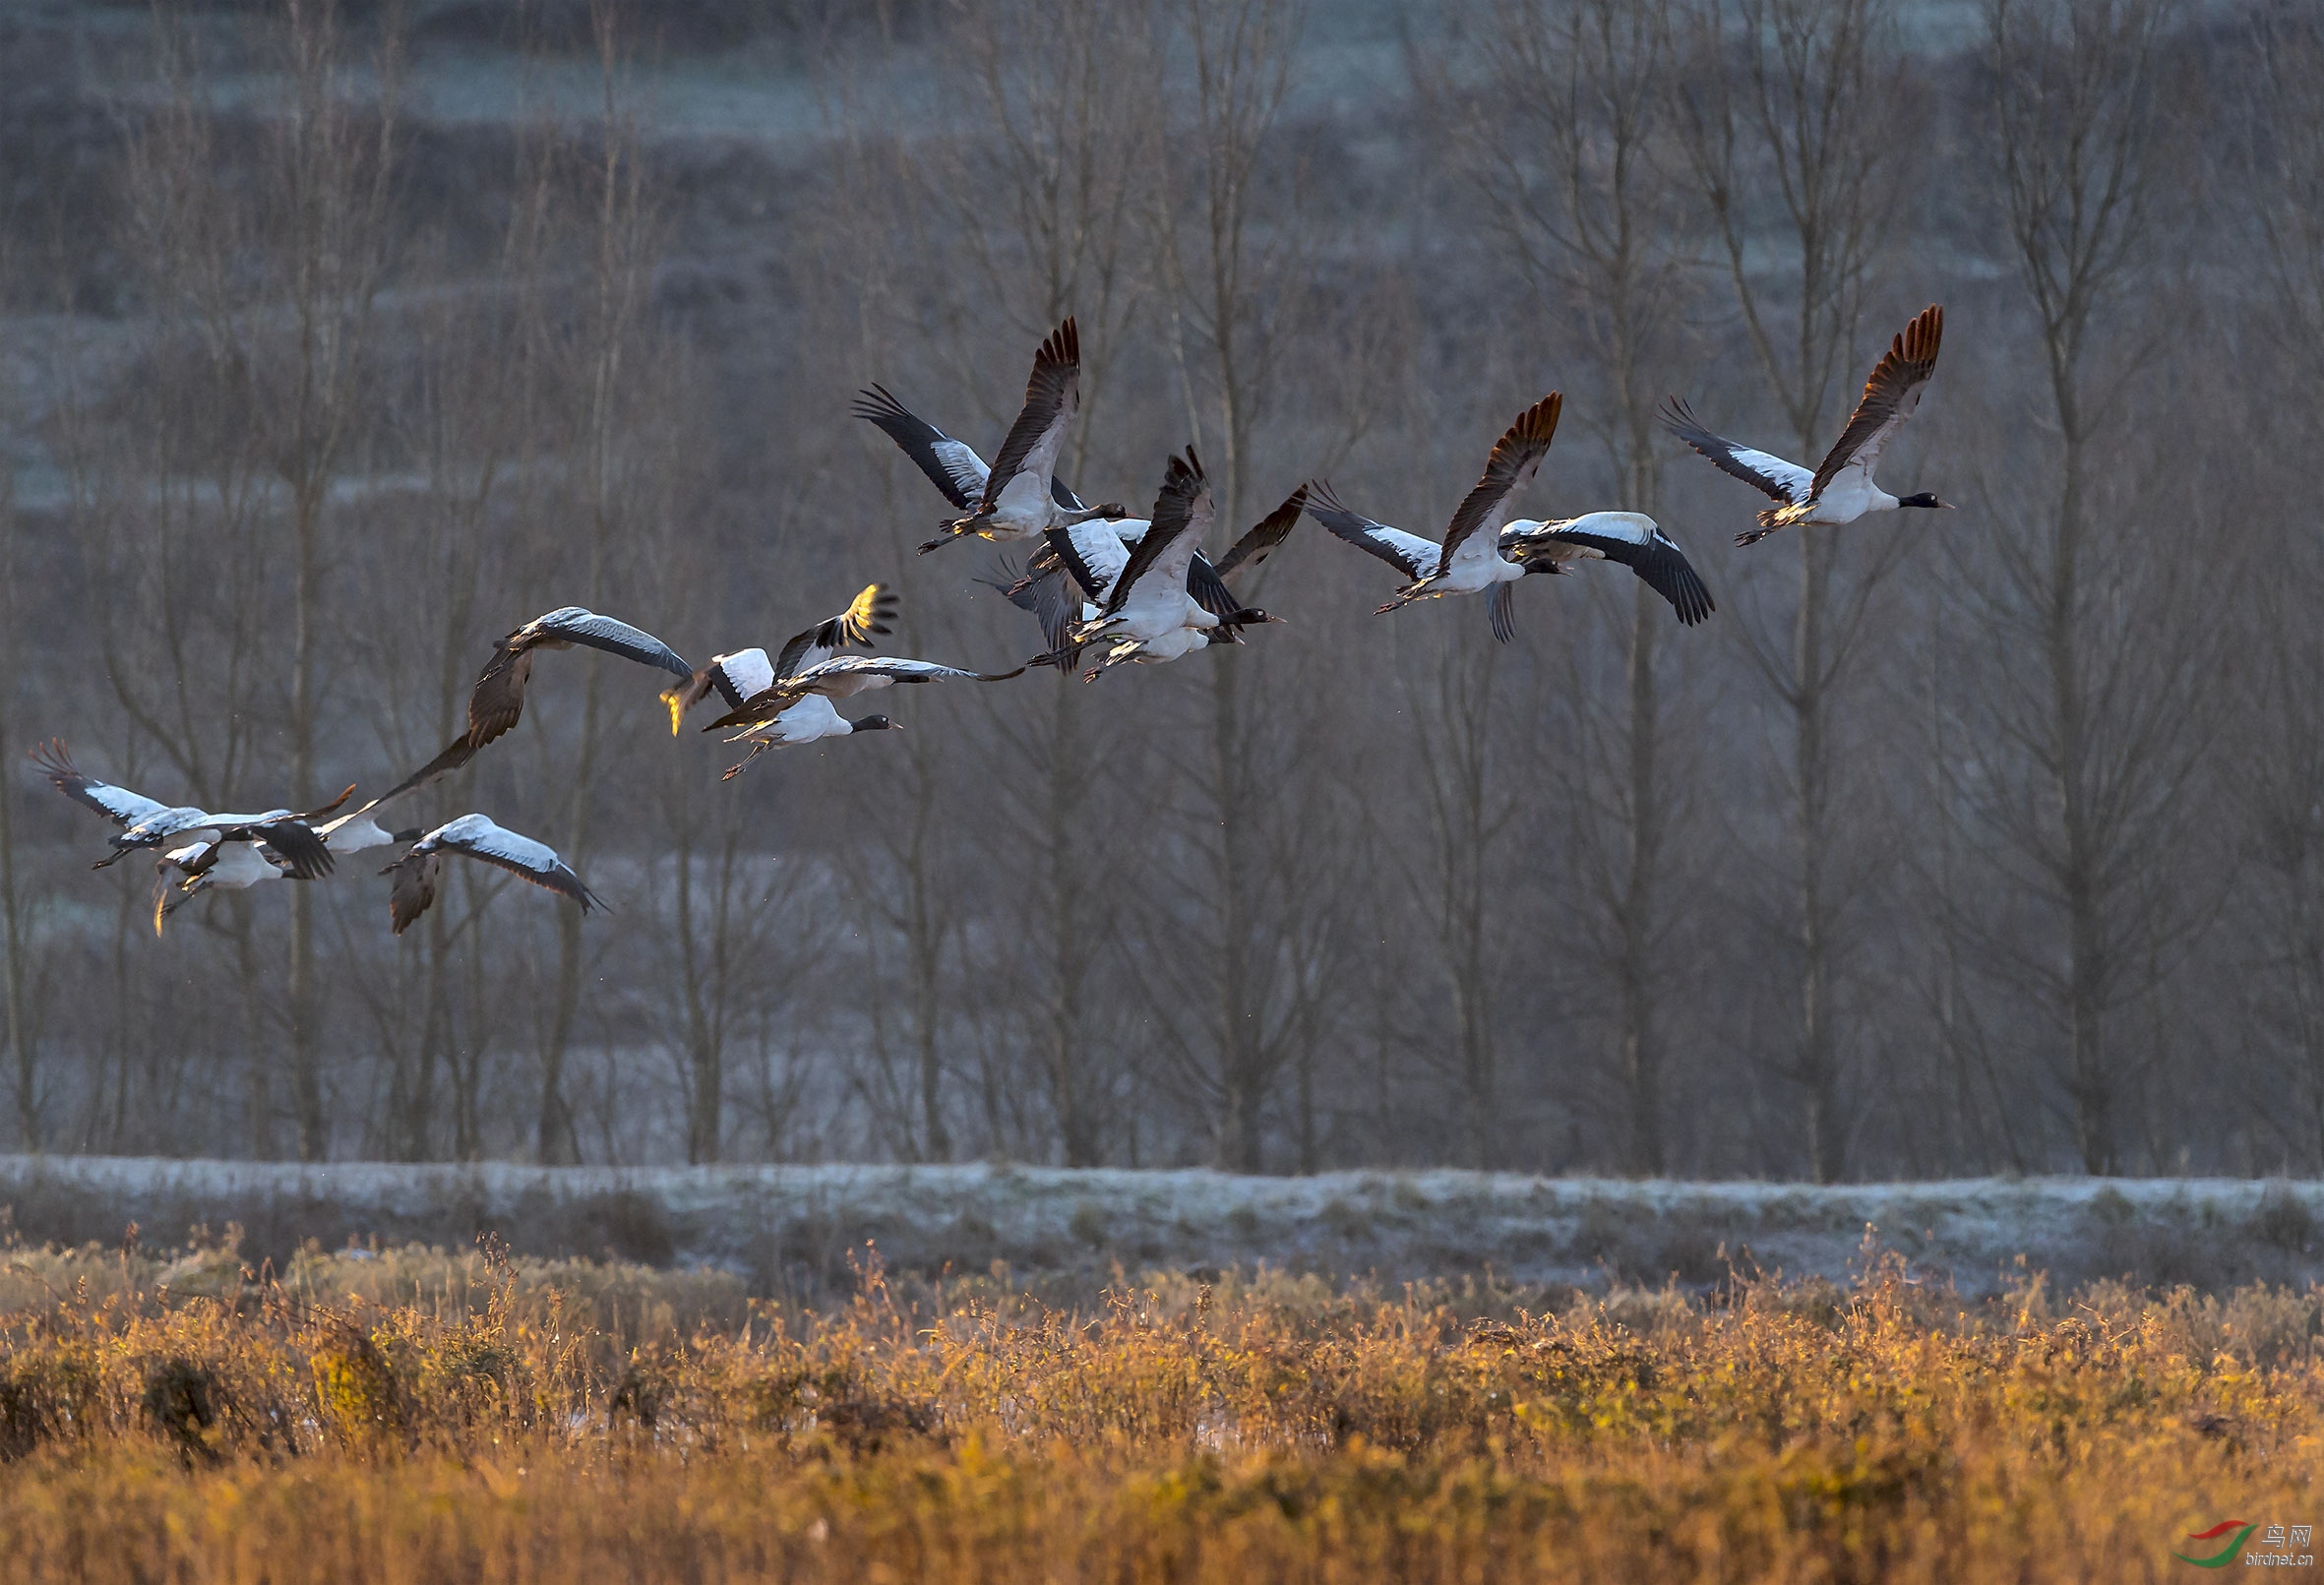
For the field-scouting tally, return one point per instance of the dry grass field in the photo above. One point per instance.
(411, 1416)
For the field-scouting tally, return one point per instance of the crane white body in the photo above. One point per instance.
(813, 717)
(1476, 565)
(1027, 508)
(239, 865)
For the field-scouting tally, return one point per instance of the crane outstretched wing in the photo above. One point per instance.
(478, 837)
(1890, 395)
(1183, 515)
(1256, 545)
(1092, 554)
(1408, 552)
(1051, 397)
(497, 702)
(1516, 458)
(304, 854)
(575, 624)
(1787, 482)
(951, 465)
(1641, 547)
(118, 804)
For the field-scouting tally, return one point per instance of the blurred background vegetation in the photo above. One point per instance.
(340, 339)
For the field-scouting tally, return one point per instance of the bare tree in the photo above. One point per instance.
(605, 389)
(1570, 141)
(1460, 869)
(2284, 750)
(2103, 705)
(1219, 278)
(334, 164)
(1040, 205)
(737, 934)
(22, 1027)
(1788, 115)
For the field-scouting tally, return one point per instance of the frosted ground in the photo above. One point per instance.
(792, 1230)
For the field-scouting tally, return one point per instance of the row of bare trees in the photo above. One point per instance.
(1933, 852)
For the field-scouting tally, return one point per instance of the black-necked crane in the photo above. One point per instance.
(801, 708)
(1068, 581)
(1631, 538)
(478, 837)
(1019, 498)
(1841, 489)
(1135, 599)
(498, 699)
(951, 465)
(744, 675)
(146, 822)
(960, 475)
(1469, 559)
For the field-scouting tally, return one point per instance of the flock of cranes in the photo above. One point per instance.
(1131, 589)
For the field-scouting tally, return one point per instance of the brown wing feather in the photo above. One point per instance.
(332, 808)
(412, 890)
(1056, 383)
(1514, 459)
(1183, 507)
(1911, 361)
(499, 697)
(1254, 546)
(456, 754)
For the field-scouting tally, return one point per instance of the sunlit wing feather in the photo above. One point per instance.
(1516, 458)
(869, 614)
(1890, 395)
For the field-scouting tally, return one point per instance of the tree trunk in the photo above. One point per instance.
(1818, 1046)
(306, 1079)
(927, 948)
(1069, 1055)
(2088, 970)
(555, 1143)
(1641, 1055)
(1242, 1062)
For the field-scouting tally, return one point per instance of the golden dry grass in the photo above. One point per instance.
(405, 1416)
